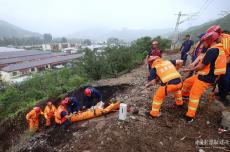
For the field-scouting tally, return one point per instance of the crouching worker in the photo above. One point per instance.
(33, 118)
(73, 105)
(165, 71)
(49, 112)
(209, 69)
(61, 115)
(92, 99)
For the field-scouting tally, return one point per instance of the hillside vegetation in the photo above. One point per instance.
(224, 22)
(8, 30)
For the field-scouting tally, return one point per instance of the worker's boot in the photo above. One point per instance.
(188, 119)
(147, 113)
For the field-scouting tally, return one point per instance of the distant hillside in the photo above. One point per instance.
(10, 30)
(224, 22)
(124, 34)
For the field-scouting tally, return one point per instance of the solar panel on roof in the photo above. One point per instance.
(15, 54)
(29, 58)
(30, 64)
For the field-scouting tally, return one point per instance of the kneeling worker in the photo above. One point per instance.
(92, 99)
(49, 112)
(165, 71)
(61, 115)
(33, 118)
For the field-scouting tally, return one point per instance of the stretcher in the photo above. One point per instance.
(94, 113)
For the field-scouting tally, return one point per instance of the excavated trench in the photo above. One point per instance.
(13, 130)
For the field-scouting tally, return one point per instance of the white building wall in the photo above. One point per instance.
(6, 76)
(46, 47)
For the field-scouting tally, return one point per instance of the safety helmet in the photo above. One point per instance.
(87, 92)
(155, 43)
(210, 37)
(37, 109)
(215, 28)
(64, 102)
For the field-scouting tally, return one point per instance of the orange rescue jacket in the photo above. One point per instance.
(220, 63)
(196, 47)
(32, 115)
(58, 118)
(225, 40)
(49, 112)
(166, 71)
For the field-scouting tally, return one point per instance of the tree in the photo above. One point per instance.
(63, 40)
(143, 44)
(113, 41)
(87, 42)
(47, 37)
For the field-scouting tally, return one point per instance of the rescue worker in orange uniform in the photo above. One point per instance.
(197, 53)
(49, 112)
(165, 71)
(61, 115)
(155, 51)
(33, 118)
(212, 65)
(224, 81)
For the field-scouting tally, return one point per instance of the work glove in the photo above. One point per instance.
(99, 105)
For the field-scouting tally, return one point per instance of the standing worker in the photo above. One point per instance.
(61, 115)
(170, 79)
(185, 48)
(92, 99)
(209, 69)
(224, 81)
(155, 51)
(198, 49)
(33, 118)
(49, 112)
(197, 53)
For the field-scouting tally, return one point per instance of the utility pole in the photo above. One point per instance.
(178, 22)
(175, 34)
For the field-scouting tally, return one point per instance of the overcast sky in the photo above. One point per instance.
(64, 17)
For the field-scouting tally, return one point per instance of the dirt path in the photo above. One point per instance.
(170, 132)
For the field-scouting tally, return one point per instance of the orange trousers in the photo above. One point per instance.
(161, 94)
(33, 124)
(194, 88)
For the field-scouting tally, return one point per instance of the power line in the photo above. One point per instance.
(188, 16)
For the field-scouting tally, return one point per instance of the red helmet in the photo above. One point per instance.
(64, 102)
(87, 92)
(214, 28)
(210, 37)
(37, 109)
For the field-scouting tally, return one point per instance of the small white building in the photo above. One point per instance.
(46, 47)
